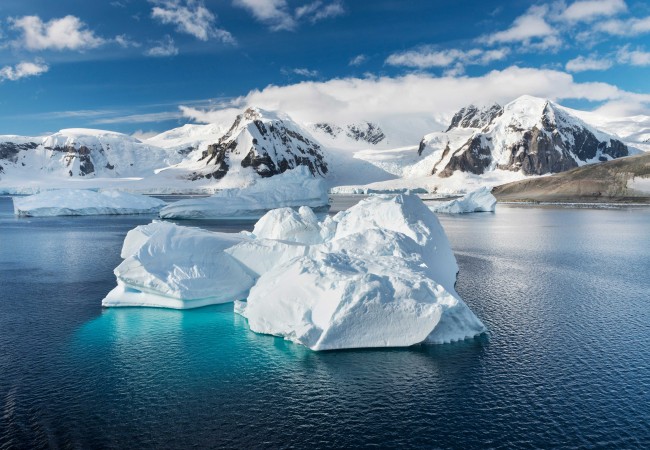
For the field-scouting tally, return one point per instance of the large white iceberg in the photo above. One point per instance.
(383, 276)
(293, 188)
(480, 200)
(377, 275)
(82, 202)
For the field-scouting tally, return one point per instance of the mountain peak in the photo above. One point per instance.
(267, 142)
(474, 117)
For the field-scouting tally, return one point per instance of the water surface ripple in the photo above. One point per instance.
(564, 292)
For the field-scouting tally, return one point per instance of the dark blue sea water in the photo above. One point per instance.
(564, 292)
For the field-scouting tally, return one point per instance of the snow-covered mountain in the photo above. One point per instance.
(359, 132)
(530, 135)
(481, 147)
(268, 143)
(82, 153)
(190, 137)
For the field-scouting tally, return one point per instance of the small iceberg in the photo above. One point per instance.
(380, 274)
(169, 266)
(293, 188)
(83, 202)
(480, 200)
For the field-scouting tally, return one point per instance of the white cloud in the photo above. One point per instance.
(144, 135)
(190, 17)
(358, 60)
(633, 57)
(414, 100)
(305, 72)
(163, 48)
(22, 70)
(525, 28)
(66, 33)
(426, 57)
(317, 11)
(582, 64)
(125, 42)
(588, 10)
(140, 118)
(274, 13)
(277, 15)
(630, 27)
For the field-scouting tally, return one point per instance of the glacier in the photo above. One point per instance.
(292, 188)
(380, 274)
(480, 200)
(83, 202)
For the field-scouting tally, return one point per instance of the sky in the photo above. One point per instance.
(145, 66)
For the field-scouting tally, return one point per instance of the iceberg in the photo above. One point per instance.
(82, 202)
(170, 266)
(380, 274)
(383, 276)
(480, 200)
(293, 188)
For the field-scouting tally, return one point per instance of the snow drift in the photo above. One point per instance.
(80, 202)
(380, 274)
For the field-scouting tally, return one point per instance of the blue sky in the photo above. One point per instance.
(150, 65)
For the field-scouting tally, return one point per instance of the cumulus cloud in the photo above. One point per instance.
(190, 17)
(165, 47)
(636, 57)
(588, 10)
(426, 57)
(583, 63)
(23, 70)
(525, 28)
(414, 100)
(630, 27)
(66, 33)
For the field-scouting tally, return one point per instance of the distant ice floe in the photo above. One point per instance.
(380, 274)
(293, 188)
(81, 202)
(480, 200)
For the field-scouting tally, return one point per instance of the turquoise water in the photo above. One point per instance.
(564, 292)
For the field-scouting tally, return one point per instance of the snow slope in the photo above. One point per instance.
(60, 159)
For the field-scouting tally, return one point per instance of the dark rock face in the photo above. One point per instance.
(332, 130)
(83, 153)
(473, 117)
(9, 150)
(278, 149)
(369, 132)
(556, 145)
(473, 157)
(422, 146)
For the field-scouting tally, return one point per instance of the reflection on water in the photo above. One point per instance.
(564, 293)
